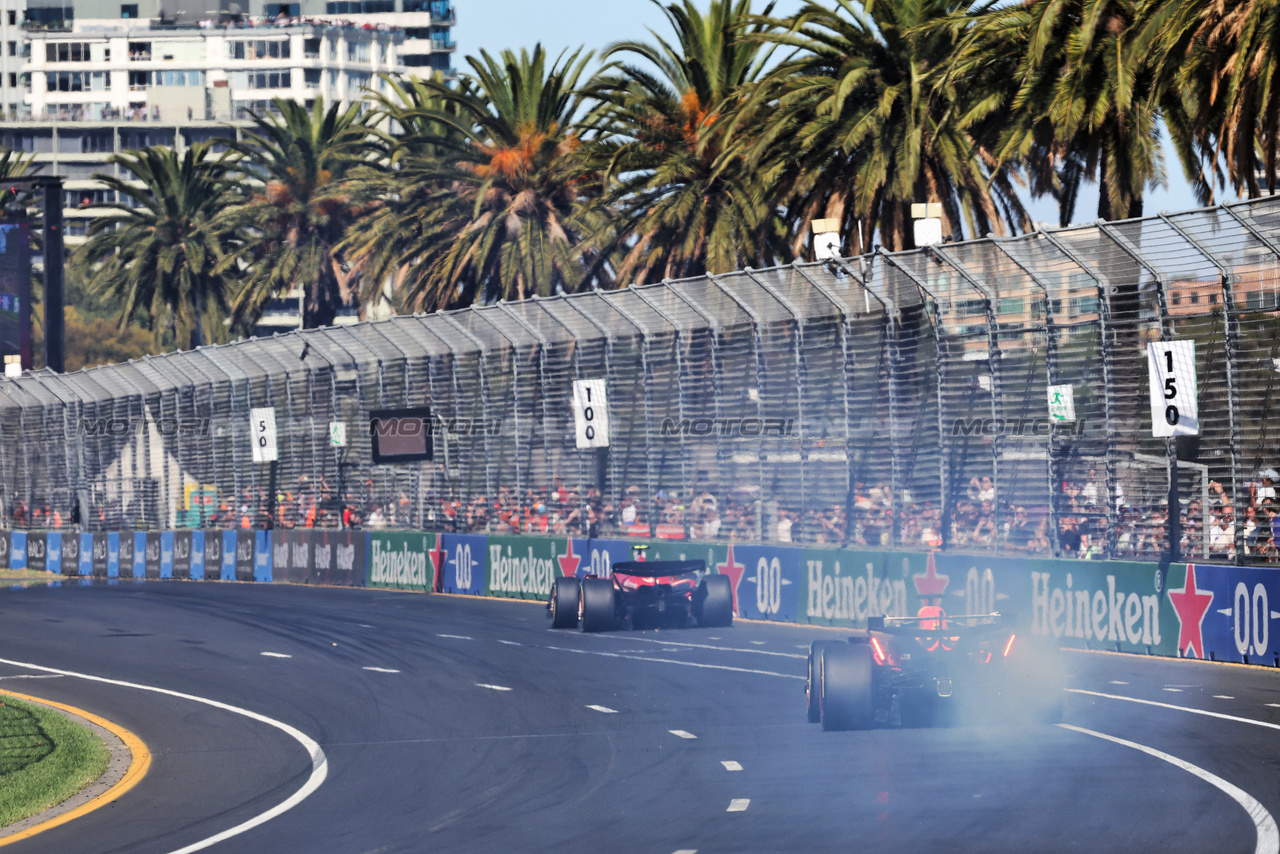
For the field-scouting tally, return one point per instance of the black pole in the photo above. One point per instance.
(54, 300)
(272, 498)
(1175, 506)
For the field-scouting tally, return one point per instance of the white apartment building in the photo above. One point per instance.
(133, 71)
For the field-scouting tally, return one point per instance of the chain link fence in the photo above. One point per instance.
(895, 400)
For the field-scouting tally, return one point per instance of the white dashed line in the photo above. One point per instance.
(364, 625)
(720, 648)
(492, 687)
(381, 669)
(510, 643)
(276, 655)
(1274, 705)
(604, 710)
(456, 637)
(739, 805)
(1172, 690)
(30, 676)
(681, 733)
(757, 643)
(1268, 835)
(1116, 682)
(687, 851)
(1223, 697)
(730, 765)
(687, 663)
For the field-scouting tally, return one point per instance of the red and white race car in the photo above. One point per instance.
(668, 593)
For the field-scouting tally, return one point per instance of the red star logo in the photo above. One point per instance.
(931, 585)
(1191, 605)
(569, 561)
(437, 564)
(734, 571)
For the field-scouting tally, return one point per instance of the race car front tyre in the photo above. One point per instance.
(562, 608)
(813, 682)
(846, 700)
(713, 602)
(596, 608)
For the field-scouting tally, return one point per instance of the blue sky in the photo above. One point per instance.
(497, 24)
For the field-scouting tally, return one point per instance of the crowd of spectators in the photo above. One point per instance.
(977, 522)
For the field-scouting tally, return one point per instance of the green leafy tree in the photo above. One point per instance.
(300, 211)
(489, 197)
(157, 253)
(869, 121)
(670, 129)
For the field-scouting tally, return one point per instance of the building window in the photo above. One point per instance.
(359, 7)
(128, 10)
(357, 52)
(13, 48)
(333, 49)
(282, 10)
(13, 18)
(416, 60)
(177, 78)
(275, 79)
(138, 81)
(13, 80)
(139, 51)
(311, 49)
(258, 49)
(50, 17)
(311, 77)
(65, 52)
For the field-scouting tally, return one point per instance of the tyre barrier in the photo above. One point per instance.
(1204, 611)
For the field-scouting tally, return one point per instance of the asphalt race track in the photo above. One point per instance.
(482, 730)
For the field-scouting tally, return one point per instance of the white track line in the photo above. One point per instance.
(739, 805)
(604, 710)
(492, 687)
(1267, 832)
(730, 765)
(32, 676)
(319, 762)
(276, 655)
(380, 669)
(511, 643)
(709, 646)
(1187, 709)
(681, 733)
(456, 637)
(682, 663)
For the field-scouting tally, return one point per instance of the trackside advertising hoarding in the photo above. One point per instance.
(1188, 610)
(402, 561)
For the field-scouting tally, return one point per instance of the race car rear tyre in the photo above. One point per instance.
(563, 606)
(813, 682)
(846, 700)
(713, 602)
(596, 610)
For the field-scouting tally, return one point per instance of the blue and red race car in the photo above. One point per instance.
(932, 668)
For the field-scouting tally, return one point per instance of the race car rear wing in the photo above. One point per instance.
(952, 624)
(659, 568)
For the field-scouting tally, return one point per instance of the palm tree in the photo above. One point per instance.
(1082, 103)
(158, 250)
(489, 197)
(669, 144)
(869, 121)
(300, 159)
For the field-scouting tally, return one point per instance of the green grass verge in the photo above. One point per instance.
(26, 576)
(45, 758)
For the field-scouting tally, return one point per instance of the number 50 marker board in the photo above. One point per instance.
(1172, 369)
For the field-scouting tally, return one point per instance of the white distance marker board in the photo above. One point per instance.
(262, 424)
(1172, 369)
(591, 413)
